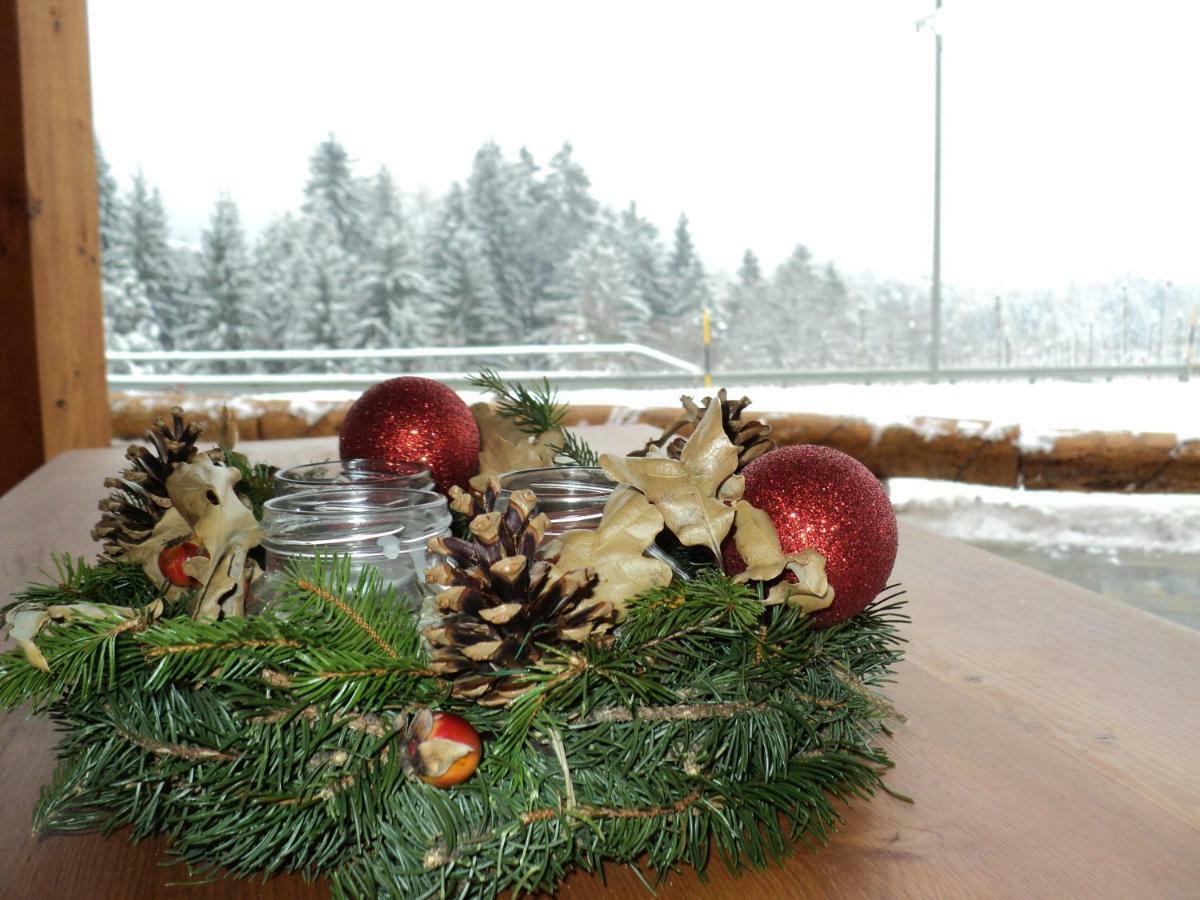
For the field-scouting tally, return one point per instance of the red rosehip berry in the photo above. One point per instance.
(443, 749)
(172, 558)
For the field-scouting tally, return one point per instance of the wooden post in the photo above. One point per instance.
(53, 394)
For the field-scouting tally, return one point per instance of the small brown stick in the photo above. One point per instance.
(256, 644)
(699, 626)
(179, 751)
(610, 812)
(375, 673)
(349, 613)
(138, 623)
(690, 711)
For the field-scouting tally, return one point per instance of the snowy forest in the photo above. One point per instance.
(522, 253)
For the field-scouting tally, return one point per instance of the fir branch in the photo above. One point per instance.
(609, 812)
(152, 653)
(344, 608)
(534, 411)
(85, 655)
(690, 711)
(78, 581)
(257, 484)
(177, 751)
(575, 450)
(265, 744)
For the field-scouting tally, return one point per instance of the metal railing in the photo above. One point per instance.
(676, 372)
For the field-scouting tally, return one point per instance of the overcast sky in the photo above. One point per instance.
(1071, 129)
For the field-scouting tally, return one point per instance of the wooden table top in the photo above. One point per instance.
(1052, 743)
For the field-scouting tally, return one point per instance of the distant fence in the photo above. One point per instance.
(672, 371)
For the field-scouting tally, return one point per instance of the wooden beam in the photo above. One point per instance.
(53, 394)
(966, 450)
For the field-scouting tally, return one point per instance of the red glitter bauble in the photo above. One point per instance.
(821, 498)
(413, 419)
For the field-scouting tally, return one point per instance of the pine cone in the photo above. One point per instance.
(750, 436)
(499, 604)
(139, 496)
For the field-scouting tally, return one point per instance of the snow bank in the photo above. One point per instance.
(1052, 520)
(1043, 409)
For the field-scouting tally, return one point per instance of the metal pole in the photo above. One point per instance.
(935, 338)
(706, 337)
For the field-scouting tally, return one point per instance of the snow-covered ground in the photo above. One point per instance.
(1140, 549)
(1058, 521)
(1042, 409)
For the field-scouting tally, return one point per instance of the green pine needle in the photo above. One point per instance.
(536, 411)
(269, 744)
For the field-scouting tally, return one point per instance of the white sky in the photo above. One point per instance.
(1071, 133)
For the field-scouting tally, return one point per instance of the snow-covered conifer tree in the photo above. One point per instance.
(155, 266)
(468, 308)
(687, 286)
(129, 320)
(332, 197)
(112, 218)
(740, 314)
(647, 259)
(229, 315)
(606, 303)
(498, 207)
(281, 274)
(324, 309)
(390, 290)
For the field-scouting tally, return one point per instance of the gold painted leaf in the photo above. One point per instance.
(614, 550)
(25, 621)
(692, 491)
(505, 448)
(206, 510)
(758, 544)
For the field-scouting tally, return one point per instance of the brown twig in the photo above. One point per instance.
(179, 751)
(699, 626)
(613, 812)
(255, 644)
(690, 711)
(344, 608)
(137, 623)
(376, 673)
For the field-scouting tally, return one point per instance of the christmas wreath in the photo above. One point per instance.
(683, 679)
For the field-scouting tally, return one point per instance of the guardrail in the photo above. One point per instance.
(678, 372)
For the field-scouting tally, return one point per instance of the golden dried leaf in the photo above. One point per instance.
(614, 550)
(227, 433)
(505, 448)
(439, 754)
(690, 491)
(206, 510)
(758, 544)
(26, 620)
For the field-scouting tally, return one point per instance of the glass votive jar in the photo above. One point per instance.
(340, 474)
(384, 527)
(572, 497)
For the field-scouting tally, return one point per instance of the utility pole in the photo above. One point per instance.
(935, 331)
(999, 331)
(1163, 295)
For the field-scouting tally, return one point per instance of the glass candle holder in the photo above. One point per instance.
(572, 497)
(384, 527)
(344, 473)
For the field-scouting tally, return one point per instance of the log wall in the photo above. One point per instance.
(972, 451)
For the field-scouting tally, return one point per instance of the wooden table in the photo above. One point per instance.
(1052, 742)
